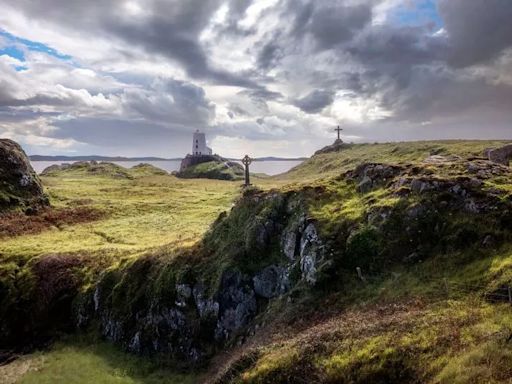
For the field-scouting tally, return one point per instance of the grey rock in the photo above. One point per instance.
(310, 253)
(96, 299)
(365, 185)
(501, 155)
(206, 307)
(183, 294)
(134, 345)
(470, 206)
(237, 302)
(271, 282)
(418, 186)
(289, 244)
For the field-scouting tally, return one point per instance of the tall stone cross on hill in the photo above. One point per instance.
(246, 161)
(338, 130)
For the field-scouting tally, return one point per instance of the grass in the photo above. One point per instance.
(81, 361)
(420, 321)
(139, 214)
(333, 164)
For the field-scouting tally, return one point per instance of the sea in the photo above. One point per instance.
(269, 167)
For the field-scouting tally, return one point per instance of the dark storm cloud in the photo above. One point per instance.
(315, 101)
(294, 53)
(125, 133)
(438, 93)
(172, 101)
(269, 55)
(478, 30)
(334, 24)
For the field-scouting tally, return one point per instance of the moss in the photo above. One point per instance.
(83, 360)
(363, 249)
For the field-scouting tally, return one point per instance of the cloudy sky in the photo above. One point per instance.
(264, 77)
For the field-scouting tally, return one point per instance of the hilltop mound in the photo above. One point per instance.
(144, 169)
(88, 167)
(210, 167)
(19, 185)
(337, 146)
(330, 163)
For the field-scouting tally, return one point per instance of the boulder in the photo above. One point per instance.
(20, 186)
(501, 155)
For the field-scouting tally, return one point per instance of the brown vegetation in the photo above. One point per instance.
(18, 223)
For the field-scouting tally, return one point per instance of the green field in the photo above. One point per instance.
(433, 313)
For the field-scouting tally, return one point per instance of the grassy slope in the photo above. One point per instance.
(429, 322)
(143, 213)
(146, 212)
(80, 360)
(154, 211)
(332, 164)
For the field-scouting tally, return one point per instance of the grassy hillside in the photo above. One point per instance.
(413, 288)
(332, 164)
(83, 359)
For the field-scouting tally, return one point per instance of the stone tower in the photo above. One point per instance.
(199, 147)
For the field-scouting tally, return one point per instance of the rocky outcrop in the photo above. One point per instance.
(501, 155)
(337, 146)
(196, 316)
(210, 167)
(19, 185)
(190, 160)
(372, 175)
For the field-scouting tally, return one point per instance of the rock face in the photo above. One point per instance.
(20, 186)
(269, 237)
(501, 155)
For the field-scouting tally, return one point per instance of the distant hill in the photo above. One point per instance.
(272, 158)
(96, 158)
(121, 158)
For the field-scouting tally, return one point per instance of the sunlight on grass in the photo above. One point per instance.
(77, 362)
(141, 214)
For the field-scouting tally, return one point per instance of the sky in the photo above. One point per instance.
(262, 77)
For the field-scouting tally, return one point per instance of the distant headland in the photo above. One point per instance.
(142, 159)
